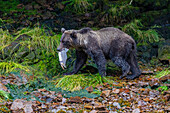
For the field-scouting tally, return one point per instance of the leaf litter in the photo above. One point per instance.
(144, 94)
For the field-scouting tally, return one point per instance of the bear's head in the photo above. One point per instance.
(68, 39)
(73, 38)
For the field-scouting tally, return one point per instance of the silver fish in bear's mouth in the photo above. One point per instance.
(63, 57)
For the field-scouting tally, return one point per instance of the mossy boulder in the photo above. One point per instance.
(164, 51)
(16, 47)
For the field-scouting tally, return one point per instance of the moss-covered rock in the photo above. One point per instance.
(164, 51)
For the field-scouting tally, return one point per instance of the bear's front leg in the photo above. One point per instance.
(100, 61)
(81, 58)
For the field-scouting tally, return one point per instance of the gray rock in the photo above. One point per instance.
(19, 104)
(137, 110)
(116, 104)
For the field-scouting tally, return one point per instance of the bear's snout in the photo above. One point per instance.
(60, 47)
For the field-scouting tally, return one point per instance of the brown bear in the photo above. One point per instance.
(107, 43)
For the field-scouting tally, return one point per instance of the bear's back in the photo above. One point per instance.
(111, 33)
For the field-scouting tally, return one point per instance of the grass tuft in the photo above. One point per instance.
(4, 94)
(7, 67)
(80, 81)
(79, 6)
(163, 73)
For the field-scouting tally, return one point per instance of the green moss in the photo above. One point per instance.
(164, 52)
(9, 6)
(31, 12)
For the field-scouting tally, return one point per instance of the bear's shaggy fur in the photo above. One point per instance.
(107, 43)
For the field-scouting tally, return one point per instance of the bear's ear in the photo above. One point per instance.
(63, 30)
(73, 34)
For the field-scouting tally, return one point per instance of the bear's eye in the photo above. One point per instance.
(64, 42)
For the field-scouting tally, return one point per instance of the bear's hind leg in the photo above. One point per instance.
(120, 62)
(133, 67)
(100, 61)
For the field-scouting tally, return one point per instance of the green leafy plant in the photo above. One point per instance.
(4, 94)
(9, 5)
(25, 90)
(162, 88)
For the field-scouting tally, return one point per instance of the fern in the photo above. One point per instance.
(141, 36)
(152, 35)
